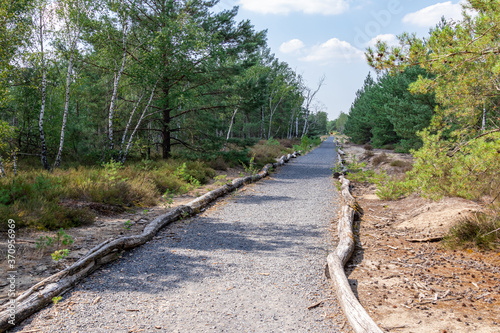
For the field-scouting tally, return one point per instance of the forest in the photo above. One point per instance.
(123, 101)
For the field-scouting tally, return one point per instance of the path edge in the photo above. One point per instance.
(360, 320)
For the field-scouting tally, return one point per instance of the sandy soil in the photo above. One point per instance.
(411, 286)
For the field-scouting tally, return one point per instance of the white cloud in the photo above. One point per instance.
(325, 7)
(333, 50)
(292, 46)
(390, 39)
(430, 16)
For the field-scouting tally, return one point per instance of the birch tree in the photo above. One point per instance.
(309, 96)
(70, 13)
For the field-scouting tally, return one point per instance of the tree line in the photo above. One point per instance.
(103, 79)
(439, 95)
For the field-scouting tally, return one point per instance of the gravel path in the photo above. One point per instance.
(252, 263)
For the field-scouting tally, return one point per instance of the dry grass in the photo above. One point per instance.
(479, 230)
(368, 147)
(379, 159)
(39, 199)
(266, 151)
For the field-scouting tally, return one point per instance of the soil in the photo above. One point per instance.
(409, 286)
(35, 263)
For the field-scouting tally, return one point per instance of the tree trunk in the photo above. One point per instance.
(304, 130)
(353, 310)
(2, 171)
(483, 125)
(272, 111)
(261, 134)
(115, 91)
(57, 162)
(15, 161)
(43, 154)
(137, 126)
(124, 136)
(297, 126)
(230, 128)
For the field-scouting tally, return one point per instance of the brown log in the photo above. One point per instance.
(41, 294)
(357, 316)
(425, 240)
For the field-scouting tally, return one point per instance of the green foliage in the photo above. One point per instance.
(44, 242)
(251, 167)
(59, 254)
(168, 196)
(471, 172)
(62, 238)
(221, 180)
(56, 299)
(127, 225)
(387, 188)
(272, 142)
(338, 124)
(386, 112)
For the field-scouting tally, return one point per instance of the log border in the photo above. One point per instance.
(41, 294)
(357, 316)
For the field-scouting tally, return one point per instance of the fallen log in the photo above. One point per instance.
(42, 293)
(357, 316)
(425, 240)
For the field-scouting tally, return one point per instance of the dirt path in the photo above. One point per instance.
(252, 263)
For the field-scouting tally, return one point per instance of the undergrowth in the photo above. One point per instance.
(387, 188)
(50, 201)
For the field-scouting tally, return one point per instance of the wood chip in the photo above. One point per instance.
(314, 305)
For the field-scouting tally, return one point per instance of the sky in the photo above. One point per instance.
(329, 37)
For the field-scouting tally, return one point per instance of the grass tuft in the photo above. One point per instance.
(479, 230)
(382, 158)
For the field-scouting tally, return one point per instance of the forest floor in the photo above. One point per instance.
(34, 258)
(410, 286)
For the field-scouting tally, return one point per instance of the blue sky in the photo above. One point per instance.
(329, 37)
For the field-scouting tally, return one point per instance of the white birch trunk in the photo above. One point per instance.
(115, 88)
(272, 111)
(124, 136)
(15, 161)
(57, 162)
(230, 128)
(483, 125)
(43, 154)
(137, 126)
(2, 171)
